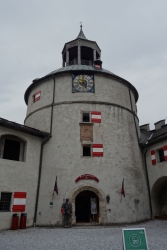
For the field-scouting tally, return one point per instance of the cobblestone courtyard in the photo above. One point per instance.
(80, 238)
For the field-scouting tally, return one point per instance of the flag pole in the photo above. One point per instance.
(55, 187)
(122, 190)
(121, 198)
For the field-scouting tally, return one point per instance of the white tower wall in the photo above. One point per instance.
(62, 155)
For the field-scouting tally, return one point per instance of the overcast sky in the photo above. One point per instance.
(132, 35)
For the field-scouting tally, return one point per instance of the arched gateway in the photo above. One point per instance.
(88, 191)
(159, 198)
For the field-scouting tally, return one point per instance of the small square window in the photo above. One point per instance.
(5, 201)
(85, 117)
(161, 155)
(87, 150)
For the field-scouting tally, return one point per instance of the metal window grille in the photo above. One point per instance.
(5, 201)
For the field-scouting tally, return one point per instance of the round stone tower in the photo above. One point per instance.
(91, 115)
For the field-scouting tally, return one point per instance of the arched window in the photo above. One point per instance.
(12, 148)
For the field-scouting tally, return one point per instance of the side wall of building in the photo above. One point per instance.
(17, 176)
(157, 179)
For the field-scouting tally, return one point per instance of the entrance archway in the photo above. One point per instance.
(102, 216)
(159, 198)
(83, 207)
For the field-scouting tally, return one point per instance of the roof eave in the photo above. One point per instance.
(154, 141)
(23, 128)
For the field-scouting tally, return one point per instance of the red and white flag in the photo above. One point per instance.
(153, 158)
(19, 202)
(165, 152)
(37, 96)
(97, 66)
(97, 149)
(96, 116)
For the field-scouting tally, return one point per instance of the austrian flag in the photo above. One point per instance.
(153, 158)
(97, 149)
(97, 66)
(37, 96)
(19, 202)
(96, 116)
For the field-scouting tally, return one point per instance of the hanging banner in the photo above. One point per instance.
(93, 206)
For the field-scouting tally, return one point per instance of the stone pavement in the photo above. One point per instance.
(81, 238)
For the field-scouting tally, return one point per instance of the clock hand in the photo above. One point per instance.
(80, 79)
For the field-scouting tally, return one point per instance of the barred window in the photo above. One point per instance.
(5, 201)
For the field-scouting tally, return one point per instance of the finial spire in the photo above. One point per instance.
(81, 34)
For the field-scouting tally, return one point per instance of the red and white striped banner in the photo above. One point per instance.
(19, 202)
(97, 66)
(37, 96)
(96, 116)
(153, 159)
(165, 152)
(97, 149)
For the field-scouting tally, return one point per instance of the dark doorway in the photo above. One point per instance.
(83, 207)
(159, 198)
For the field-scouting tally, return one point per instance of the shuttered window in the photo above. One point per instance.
(37, 96)
(153, 159)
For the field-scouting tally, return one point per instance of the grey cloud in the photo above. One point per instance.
(131, 34)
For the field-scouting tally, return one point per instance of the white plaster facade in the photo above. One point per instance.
(63, 152)
(20, 176)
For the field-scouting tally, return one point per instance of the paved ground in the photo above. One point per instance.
(80, 238)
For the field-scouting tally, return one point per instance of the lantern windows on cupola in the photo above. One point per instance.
(80, 51)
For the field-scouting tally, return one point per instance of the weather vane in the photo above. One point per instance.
(81, 25)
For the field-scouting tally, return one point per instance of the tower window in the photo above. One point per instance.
(161, 155)
(5, 201)
(11, 150)
(85, 117)
(87, 150)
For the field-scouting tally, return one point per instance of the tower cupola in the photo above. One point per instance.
(80, 51)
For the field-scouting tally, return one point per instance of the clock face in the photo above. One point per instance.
(83, 83)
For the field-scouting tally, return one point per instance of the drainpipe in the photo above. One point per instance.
(148, 185)
(41, 155)
(133, 115)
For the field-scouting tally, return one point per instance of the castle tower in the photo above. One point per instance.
(92, 117)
